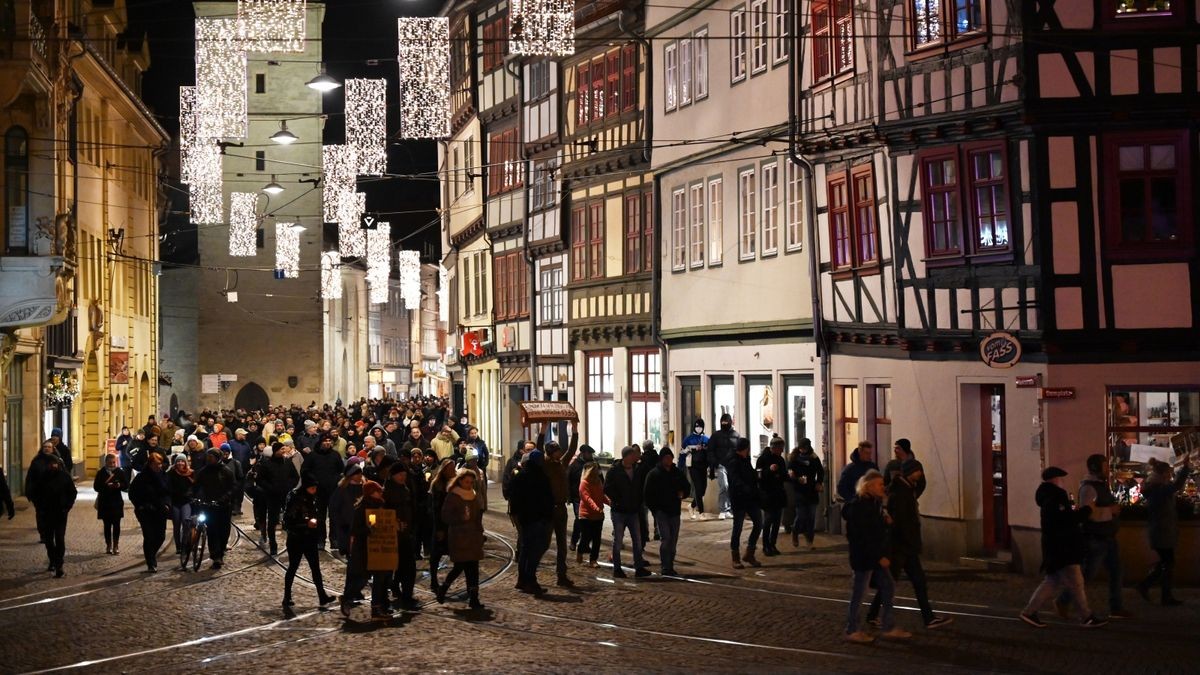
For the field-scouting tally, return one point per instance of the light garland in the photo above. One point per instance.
(331, 276)
(287, 249)
(206, 189)
(337, 175)
(366, 124)
(220, 79)
(542, 27)
(243, 224)
(379, 262)
(352, 240)
(187, 131)
(409, 264)
(272, 25)
(424, 57)
(443, 294)
(62, 388)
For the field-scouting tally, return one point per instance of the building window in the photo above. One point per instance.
(598, 81)
(737, 45)
(579, 266)
(544, 192)
(863, 181)
(685, 71)
(645, 396)
(583, 94)
(1147, 180)
(821, 41)
(612, 87)
(716, 213)
(539, 79)
(671, 70)
(601, 412)
(678, 229)
(495, 39)
(747, 216)
(512, 287)
(587, 243)
(782, 23)
(934, 21)
(552, 295)
(696, 223)
(1141, 14)
(700, 81)
(468, 164)
(504, 162)
(633, 233)
(927, 22)
(596, 240)
(852, 230)
(16, 190)
(1150, 423)
(939, 175)
(983, 226)
(770, 208)
(968, 16)
(260, 83)
(793, 206)
(839, 223)
(833, 38)
(628, 78)
(882, 401)
(758, 36)
(989, 199)
(260, 160)
(648, 250)
(848, 434)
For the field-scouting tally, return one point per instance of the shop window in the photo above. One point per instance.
(1141, 14)
(798, 405)
(601, 413)
(1152, 423)
(645, 399)
(1147, 181)
(723, 400)
(690, 406)
(760, 413)
(848, 434)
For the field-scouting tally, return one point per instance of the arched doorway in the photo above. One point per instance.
(93, 399)
(145, 400)
(174, 406)
(251, 397)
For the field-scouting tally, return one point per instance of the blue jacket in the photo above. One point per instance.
(698, 443)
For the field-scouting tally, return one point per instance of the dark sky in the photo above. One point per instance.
(355, 32)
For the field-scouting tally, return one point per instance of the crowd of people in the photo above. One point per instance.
(389, 485)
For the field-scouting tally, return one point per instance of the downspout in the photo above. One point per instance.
(516, 69)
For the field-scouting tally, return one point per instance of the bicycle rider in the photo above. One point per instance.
(215, 484)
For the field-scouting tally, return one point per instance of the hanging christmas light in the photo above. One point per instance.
(272, 25)
(542, 27)
(331, 276)
(366, 133)
(379, 262)
(243, 224)
(352, 240)
(206, 186)
(220, 79)
(187, 131)
(443, 294)
(337, 176)
(409, 265)
(287, 249)
(424, 56)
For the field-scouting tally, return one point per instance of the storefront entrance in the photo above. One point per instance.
(994, 465)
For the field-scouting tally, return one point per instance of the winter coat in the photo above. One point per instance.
(695, 448)
(464, 528)
(300, 509)
(240, 450)
(892, 469)
(720, 447)
(110, 505)
(1062, 533)
(906, 520)
(341, 514)
(179, 487)
(481, 450)
(410, 445)
(664, 489)
(150, 494)
(622, 488)
(326, 467)
(214, 483)
(772, 474)
(6, 500)
(444, 444)
(557, 472)
(530, 497)
(574, 475)
(359, 531)
(848, 481)
(437, 500)
(592, 500)
(743, 483)
(55, 493)
(398, 497)
(39, 470)
(1162, 513)
(867, 532)
(512, 469)
(806, 464)
(276, 478)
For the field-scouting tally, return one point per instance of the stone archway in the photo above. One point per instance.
(251, 397)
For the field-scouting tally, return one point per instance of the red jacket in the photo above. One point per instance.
(592, 500)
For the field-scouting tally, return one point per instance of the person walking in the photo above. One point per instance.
(532, 502)
(862, 460)
(180, 479)
(720, 449)
(357, 567)
(621, 486)
(110, 482)
(867, 533)
(556, 471)
(301, 515)
(439, 487)
(772, 475)
(35, 476)
(6, 500)
(1100, 535)
(695, 455)
(152, 498)
(398, 496)
(276, 478)
(808, 478)
(341, 507)
(584, 457)
(901, 450)
(215, 485)
(745, 499)
(666, 487)
(1062, 551)
(592, 501)
(325, 465)
(1159, 491)
(53, 496)
(463, 518)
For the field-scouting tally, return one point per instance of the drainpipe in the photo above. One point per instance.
(516, 69)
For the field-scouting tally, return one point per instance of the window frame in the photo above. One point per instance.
(697, 241)
(648, 248)
(670, 76)
(629, 74)
(600, 381)
(768, 167)
(539, 80)
(738, 45)
(583, 94)
(781, 44)
(579, 242)
(599, 82)
(747, 214)
(596, 227)
(822, 40)
(641, 393)
(612, 83)
(715, 208)
(833, 183)
(794, 214)
(679, 248)
(495, 43)
(685, 71)
(758, 48)
(946, 14)
(632, 220)
(964, 192)
(550, 306)
(858, 205)
(1110, 20)
(1115, 248)
(503, 157)
(700, 55)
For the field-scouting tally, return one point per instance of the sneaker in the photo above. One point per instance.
(1032, 619)
(858, 637)
(1094, 622)
(939, 621)
(1120, 614)
(876, 623)
(723, 515)
(896, 634)
(693, 515)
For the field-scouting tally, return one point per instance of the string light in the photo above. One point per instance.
(206, 189)
(424, 56)
(366, 133)
(243, 224)
(220, 79)
(379, 262)
(272, 25)
(542, 27)
(443, 294)
(187, 131)
(352, 240)
(331, 276)
(287, 249)
(337, 168)
(409, 264)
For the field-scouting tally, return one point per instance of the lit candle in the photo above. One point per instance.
(371, 519)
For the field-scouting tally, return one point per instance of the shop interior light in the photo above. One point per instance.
(272, 188)
(283, 136)
(323, 82)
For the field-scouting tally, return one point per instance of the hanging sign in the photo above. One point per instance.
(1000, 350)
(1027, 381)
(471, 345)
(1056, 393)
(533, 412)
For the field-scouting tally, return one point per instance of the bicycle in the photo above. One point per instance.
(194, 537)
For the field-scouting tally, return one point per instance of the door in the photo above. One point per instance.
(994, 468)
(690, 408)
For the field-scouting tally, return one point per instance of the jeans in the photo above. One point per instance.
(756, 519)
(356, 580)
(771, 521)
(589, 537)
(722, 490)
(112, 531)
(179, 514)
(622, 522)
(560, 539)
(575, 525)
(302, 548)
(887, 593)
(1067, 580)
(916, 574)
(154, 532)
(1103, 550)
(533, 539)
(52, 526)
(699, 476)
(806, 518)
(668, 525)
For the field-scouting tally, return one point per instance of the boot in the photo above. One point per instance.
(737, 561)
(579, 557)
(287, 600)
(440, 591)
(565, 582)
(795, 539)
(473, 598)
(750, 559)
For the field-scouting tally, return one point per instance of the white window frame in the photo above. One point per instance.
(737, 44)
(769, 198)
(793, 206)
(678, 230)
(716, 214)
(700, 64)
(685, 72)
(696, 240)
(551, 296)
(782, 22)
(670, 76)
(758, 37)
(747, 214)
(468, 163)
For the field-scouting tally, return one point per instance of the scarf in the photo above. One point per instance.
(463, 493)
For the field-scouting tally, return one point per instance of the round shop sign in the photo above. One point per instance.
(1000, 350)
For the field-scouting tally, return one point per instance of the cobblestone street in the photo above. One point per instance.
(108, 616)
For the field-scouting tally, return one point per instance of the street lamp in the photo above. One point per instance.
(323, 82)
(272, 188)
(283, 136)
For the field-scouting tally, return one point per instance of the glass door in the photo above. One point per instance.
(797, 404)
(760, 413)
(995, 469)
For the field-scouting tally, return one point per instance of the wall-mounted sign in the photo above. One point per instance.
(1056, 393)
(1027, 381)
(1000, 350)
(471, 345)
(118, 367)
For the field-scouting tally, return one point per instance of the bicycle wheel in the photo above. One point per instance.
(198, 549)
(185, 543)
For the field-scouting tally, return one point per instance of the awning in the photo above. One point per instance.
(514, 376)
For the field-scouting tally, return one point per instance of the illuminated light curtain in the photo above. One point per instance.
(366, 121)
(206, 187)
(409, 265)
(542, 27)
(443, 294)
(220, 79)
(272, 25)
(379, 262)
(243, 224)
(331, 276)
(352, 240)
(187, 131)
(424, 57)
(287, 249)
(337, 175)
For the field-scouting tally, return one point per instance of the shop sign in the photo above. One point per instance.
(1000, 350)
(471, 344)
(118, 367)
(533, 412)
(1027, 381)
(1056, 393)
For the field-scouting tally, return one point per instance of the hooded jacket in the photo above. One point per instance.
(808, 465)
(1062, 534)
(848, 481)
(772, 474)
(867, 532)
(721, 447)
(743, 483)
(906, 520)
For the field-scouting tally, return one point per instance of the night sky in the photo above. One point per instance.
(355, 32)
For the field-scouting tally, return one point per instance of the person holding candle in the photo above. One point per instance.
(463, 518)
(356, 567)
(301, 517)
(110, 482)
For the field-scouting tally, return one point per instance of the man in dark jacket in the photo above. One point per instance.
(746, 502)
(512, 469)
(215, 484)
(772, 473)
(621, 486)
(1062, 550)
(868, 536)
(556, 471)
(901, 451)
(646, 464)
(532, 502)
(300, 517)
(64, 452)
(151, 499)
(1100, 534)
(808, 480)
(277, 476)
(695, 454)
(720, 452)
(398, 496)
(862, 460)
(239, 478)
(325, 465)
(574, 475)
(240, 451)
(666, 486)
(52, 496)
